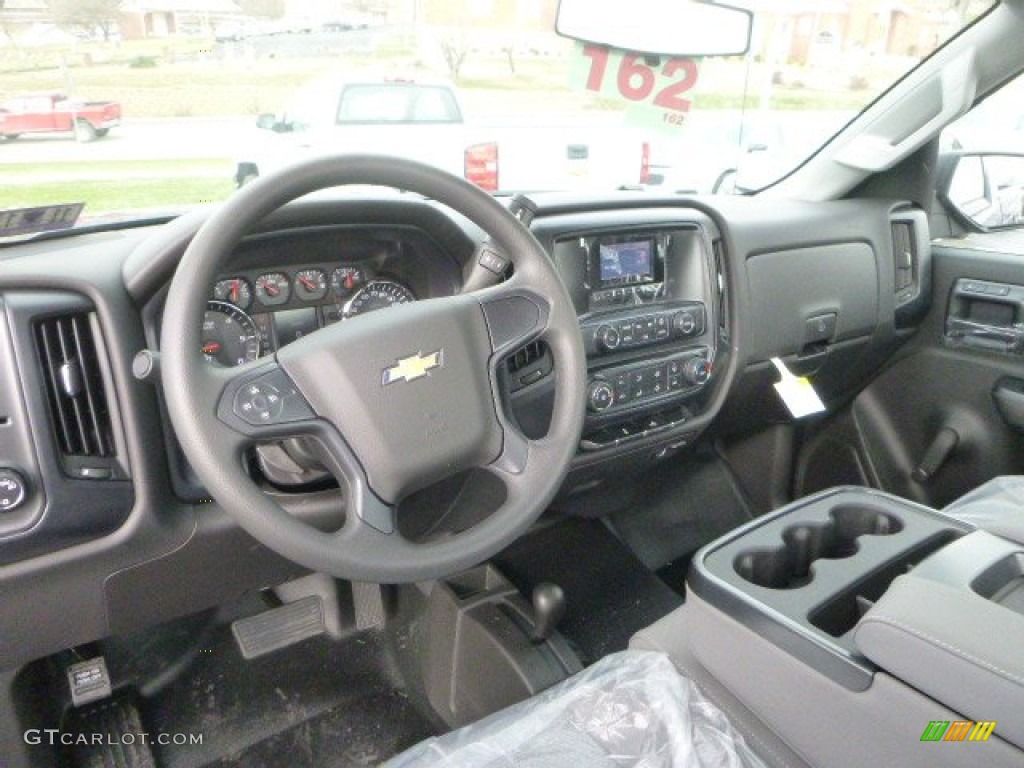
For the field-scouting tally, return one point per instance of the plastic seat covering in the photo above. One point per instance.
(630, 709)
(996, 506)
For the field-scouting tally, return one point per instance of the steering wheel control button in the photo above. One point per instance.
(258, 403)
(600, 396)
(12, 490)
(492, 262)
(270, 399)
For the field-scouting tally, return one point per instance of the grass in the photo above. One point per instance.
(197, 166)
(105, 195)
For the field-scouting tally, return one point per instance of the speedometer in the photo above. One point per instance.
(229, 335)
(378, 294)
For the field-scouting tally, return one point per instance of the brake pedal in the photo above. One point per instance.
(279, 627)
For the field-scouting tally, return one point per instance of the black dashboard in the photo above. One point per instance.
(681, 303)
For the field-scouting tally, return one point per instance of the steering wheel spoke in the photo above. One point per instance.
(515, 316)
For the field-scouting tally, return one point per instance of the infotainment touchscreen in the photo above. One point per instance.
(626, 263)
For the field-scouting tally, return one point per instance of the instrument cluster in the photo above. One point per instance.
(251, 313)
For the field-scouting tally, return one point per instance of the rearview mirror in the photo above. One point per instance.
(985, 190)
(661, 27)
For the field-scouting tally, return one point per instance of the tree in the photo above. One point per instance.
(5, 27)
(455, 50)
(87, 15)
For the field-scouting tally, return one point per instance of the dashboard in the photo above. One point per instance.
(681, 305)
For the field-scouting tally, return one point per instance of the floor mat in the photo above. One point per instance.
(678, 509)
(318, 704)
(609, 593)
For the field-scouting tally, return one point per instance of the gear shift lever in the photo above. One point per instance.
(548, 610)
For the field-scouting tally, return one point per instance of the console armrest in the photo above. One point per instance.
(952, 638)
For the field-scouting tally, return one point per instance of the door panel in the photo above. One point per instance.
(936, 422)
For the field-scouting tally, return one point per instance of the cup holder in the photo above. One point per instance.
(789, 566)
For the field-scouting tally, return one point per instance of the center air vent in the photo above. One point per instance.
(72, 378)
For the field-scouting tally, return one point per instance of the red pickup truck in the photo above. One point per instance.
(50, 112)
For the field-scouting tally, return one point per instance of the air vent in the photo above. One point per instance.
(718, 248)
(71, 374)
(904, 247)
(529, 365)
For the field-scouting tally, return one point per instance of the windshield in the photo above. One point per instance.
(139, 110)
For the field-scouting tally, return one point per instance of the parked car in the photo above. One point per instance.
(55, 113)
(423, 118)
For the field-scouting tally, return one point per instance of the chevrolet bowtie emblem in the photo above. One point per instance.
(413, 367)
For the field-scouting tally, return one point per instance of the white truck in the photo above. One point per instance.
(423, 119)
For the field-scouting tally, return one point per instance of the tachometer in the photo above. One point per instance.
(229, 335)
(378, 294)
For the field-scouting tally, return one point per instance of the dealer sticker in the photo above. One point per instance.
(657, 88)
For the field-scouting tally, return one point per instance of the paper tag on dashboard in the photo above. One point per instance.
(797, 392)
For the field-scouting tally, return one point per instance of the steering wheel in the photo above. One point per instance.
(398, 399)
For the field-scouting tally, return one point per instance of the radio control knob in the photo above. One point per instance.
(697, 370)
(12, 490)
(600, 396)
(685, 322)
(607, 337)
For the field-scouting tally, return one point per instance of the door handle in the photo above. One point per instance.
(939, 451)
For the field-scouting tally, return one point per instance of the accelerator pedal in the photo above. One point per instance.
(279, 627)
(119, 724)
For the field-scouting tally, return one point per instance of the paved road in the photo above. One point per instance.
(137, 140)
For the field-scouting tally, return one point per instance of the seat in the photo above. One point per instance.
(996, 506)
(630, 709)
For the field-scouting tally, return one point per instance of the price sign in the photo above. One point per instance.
(657, 88)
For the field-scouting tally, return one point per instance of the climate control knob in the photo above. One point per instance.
(600, 396)
(696, 370)
(607, 337)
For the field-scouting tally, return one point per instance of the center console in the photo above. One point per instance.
(854, 627)
(645, 298)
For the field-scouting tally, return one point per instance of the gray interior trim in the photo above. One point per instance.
(826, 723)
